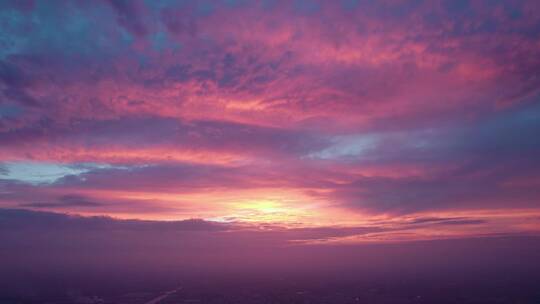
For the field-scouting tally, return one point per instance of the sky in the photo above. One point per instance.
(315, 121)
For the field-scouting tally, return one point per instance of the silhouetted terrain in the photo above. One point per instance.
(52, 258)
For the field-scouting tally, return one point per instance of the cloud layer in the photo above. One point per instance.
(295, 113)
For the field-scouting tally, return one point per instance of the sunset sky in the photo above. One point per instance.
(325, 121)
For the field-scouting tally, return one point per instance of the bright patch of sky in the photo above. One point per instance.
(34, 172)
(347, 145)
